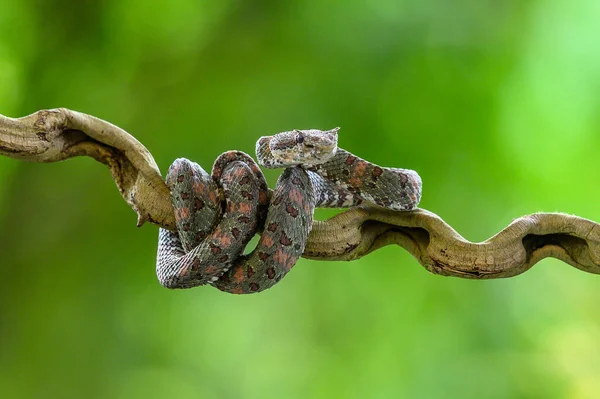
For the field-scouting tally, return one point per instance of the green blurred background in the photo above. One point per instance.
(495, 104)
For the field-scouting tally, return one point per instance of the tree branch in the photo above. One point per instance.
(441, 250)
(58, 134)
(55, 135)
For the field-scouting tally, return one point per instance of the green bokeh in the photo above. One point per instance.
(495, 104)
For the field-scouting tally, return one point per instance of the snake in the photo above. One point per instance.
(218, 214)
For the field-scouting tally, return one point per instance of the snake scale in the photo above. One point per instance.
(213, 228)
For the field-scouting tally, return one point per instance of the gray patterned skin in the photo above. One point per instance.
(245, 192)
(341, 179)
(317, 173)
(219, 254)
(197, 198)
(283, 240)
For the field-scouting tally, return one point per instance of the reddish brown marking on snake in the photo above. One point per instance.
(236, 232)
(244, 207)
(196, 264)
(183, 213)
(240, 172)
(254, 168)
(285, 240)
(295, 195)
(213, 196)
(350, 160)
(284, 259)
(357, 173)
(245, 180)
(198, 204)
(293, 212)
(212, 269)
(223, 259)
(262, 197)
(201, 235)
(180, 178)
(267, 241)
(263, 256)
(355, 181)
(403, 178)
(239, 276)
(214, 248)
(250, 271)
(223, 239)
(254, 287)
(244, 219)
(199, 187)
(247, 195)
(272, 227)
(271, 273)
(185, 196)
(186, 227)
(217, 172)
(278, 200)
(376, 172)
(230, 208)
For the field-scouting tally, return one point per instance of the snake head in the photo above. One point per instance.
(298, 147)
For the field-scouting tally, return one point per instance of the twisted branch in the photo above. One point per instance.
(55, 135)
(58, 134)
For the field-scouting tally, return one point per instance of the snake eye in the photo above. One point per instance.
(300, 139)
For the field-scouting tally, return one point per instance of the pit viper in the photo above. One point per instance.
(217, 215)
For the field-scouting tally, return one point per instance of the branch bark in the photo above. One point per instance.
(58, 134)
(55, 135)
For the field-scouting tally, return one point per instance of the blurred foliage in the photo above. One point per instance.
(494, 103)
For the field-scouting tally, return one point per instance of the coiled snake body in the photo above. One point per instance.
(212, 232)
